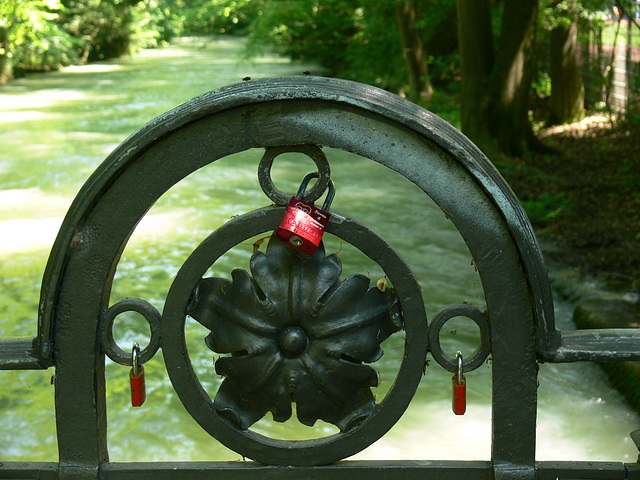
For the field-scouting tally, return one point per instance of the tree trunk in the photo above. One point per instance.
(511, 77)
(4, 60)
(413, 51)
(5, 44)
(475, 40)
(567, 90)
(495, 90)
(609, 71)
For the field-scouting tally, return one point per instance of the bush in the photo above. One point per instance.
(546, 207)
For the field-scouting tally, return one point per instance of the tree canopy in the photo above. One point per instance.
(496, 54)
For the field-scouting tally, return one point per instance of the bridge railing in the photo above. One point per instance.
(291, 329)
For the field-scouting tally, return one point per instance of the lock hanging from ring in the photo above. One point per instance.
(459, 388)
(303, 223)
(136, 378)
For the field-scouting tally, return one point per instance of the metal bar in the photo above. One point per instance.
(349, 470)
(633, 471)
(580, 470)
(597, 345)
(20, 354)
(29, 470)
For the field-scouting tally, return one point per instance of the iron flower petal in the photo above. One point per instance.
(251, 388)
(299, 333)
(294, 280)
(239, 317)
(342, 403)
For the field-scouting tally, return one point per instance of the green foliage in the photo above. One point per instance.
(352, 39)
(103, 29)
(307, 30)
(355, 39)
(166, 18)
(29, 37)
(541, 84)
(47, 34)
(445, 71)
(554, 13)
(546, 207)
(374, 42)
(45, 49)
(358, 40)
(207, 17)
(446, 106)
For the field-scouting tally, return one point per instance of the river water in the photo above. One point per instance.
(56, 128)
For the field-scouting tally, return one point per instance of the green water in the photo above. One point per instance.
(54, 131)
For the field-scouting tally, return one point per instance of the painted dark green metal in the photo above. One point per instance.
(278, 113)
(310, 452)
(295, 332)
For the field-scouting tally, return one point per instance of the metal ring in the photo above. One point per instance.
(278, 196)
(248, 443)
(478, 357)
(108, 343)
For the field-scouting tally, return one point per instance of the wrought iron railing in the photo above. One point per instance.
(292, 329)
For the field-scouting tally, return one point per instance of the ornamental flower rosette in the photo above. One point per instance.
(294, 331)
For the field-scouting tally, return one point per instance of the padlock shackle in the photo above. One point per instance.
(305, 182)
(135, 358)
(460, 372)
(330, 194)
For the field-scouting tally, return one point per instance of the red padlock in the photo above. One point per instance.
(303, 223)
(136, 377)
(459, 388)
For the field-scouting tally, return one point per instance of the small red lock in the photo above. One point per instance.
(136, 377)
(459, 395)
(303, 223)
(459, 389)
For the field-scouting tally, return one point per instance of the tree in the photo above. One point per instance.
(496, 80)
(567, 90)
(413, 51)
(206, 17)
(47, 34)
(30, 38)
(475, 40)
(103, 29)
(381, 42)
(307, 30)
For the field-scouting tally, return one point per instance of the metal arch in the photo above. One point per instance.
(369, 100)
(301, 111)
(294, 111)
(553, 345)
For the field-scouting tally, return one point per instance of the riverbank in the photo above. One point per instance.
(602, 304)
(585, 206)
(586, 198)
